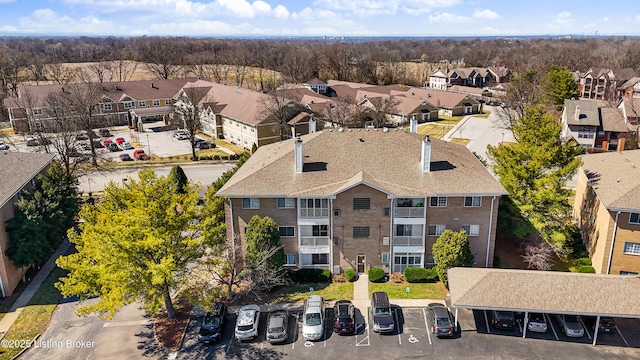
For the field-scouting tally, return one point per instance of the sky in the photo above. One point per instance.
(331, 18)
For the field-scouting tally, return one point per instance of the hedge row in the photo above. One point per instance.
(420, 275)
(310, 276)
(376, 275)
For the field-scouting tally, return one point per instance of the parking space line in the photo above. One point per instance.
(395, 313)
(366, 328)
(520, 326)
(486, 320)
(295, 334)
(426, 324)
(551, 325)
(622, 336)
(585, 328)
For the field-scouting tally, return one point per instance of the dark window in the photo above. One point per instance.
(361, 232)
(634, 218)
(361, 203)
(319, 259)
(287, 231)
(320, 230)
(387, 211)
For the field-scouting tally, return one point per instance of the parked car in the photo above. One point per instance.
(313, 318)
(181, 134)
(205, 145)
(97, 144)
(344, 317)
(247, 322)
(537, 323)
(381, 313)
(125, 157)
(126, 146)
(139, 154)
(113, 147)
(212, 325)
(504, 319)
(104, 132)
(107, 142)
(3, 146)
(441, 319)
(607, 325)
(86, 149)
(35, 142)
(81, 136)
(570, 325)
(277, 326)
(119, 140)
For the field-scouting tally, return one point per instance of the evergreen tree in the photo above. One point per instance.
(559, 85)
(450, 250)
(178, 179)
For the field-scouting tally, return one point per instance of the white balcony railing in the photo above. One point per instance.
(314, 213)
(314, 241)
(409, 212)
(315, 266)
(408, 241)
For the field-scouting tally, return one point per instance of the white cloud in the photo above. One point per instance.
(562, 20)
(8, 28)
(447, 18)
(47, 20)
(486, 14)
(605, 19)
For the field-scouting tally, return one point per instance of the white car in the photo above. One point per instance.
(571, 325)
(181, 134)
(247, 322)
(537, 323)
(126, 146)
(3, 146)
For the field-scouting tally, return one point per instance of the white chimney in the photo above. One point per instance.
(298, 155)
(577, 112)
(312, 125)
(414, 125)
(426, 154)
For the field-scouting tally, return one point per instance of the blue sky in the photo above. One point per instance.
(319, 17)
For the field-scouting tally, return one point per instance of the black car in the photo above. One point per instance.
(204, 144)
(212, 325)
(277, 325)
(344, 317)
(441, 319)
(607, 325)
(504, 320)
(113, 147)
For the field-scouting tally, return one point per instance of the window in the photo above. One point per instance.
(632, 248)
(361, 203)
(472, 201)
(251, 203)
(320, 259)
(411, 260)
(314, 207)
(168, 101)
(430, 259)
(156, 102)
(107, 107)
(253, 130)
(386, 211)
(37, 111)
(361, 231)
(471, 230)
(286, 231)
(632, 273)
(128, 104)
(384, 258)
(244, 127)
(438, 201)
(586, 132)
(286, 203)
(336, 212)
(403, 230)
(320, 230)
(142, 104)
(634, 218)
(436, 230)
(291, 259)
(475, 258)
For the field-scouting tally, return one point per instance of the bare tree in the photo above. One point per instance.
(341, 111)
(278, 105)
(103, 70)
(190, 107)
(522, 91)
(382, 107)
(538, 255)
(161, 56)
(65, 127)
(124, 69)
(59, 73)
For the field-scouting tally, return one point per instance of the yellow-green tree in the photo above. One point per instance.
(134, 245)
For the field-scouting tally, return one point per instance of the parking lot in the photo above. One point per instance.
(412, 339)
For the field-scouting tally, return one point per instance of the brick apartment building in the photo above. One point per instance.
(360, 198)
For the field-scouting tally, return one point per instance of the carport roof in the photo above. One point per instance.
(545, 291)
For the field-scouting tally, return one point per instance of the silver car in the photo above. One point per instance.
(571, 325)
(247, 323)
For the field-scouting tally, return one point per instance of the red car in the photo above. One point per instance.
(140, 155)
(125, 157)
(120, 141)
(106, 142)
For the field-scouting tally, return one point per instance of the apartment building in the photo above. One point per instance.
(356, 198)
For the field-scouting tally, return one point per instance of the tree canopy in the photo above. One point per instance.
(451, 249)
(265, 255)
(534, 171)
(559, 85)
(135, 245)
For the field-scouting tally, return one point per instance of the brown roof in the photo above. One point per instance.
(387, 160)
(17, 169)
(439, 98)
(615, 177)
(545, 291)
(316, 81)
(631, 107)
(612, 120)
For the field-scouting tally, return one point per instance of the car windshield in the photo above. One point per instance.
(443, 322)
(212, 322)
(312, 319)
(383, 311)
(245, 327)
(277, 329)
(571, 319)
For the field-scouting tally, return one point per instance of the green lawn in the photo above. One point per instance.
(235, 148)
(435, 291)
(35, 317)
(460, 141)
(299, 292)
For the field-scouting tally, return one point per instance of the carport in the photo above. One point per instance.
(139, 113)
(545, 292)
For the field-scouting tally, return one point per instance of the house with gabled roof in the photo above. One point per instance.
(607, 210)
(18, 172)
(594, 126)
(603, 83)
(358, 198)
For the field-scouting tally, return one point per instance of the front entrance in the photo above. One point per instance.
(361, 262)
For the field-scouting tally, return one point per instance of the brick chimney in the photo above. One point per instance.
(426, 154)
(298, 155)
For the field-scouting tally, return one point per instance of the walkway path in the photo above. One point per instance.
(22, 301)
(361, 292)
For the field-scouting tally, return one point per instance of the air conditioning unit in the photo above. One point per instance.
(336, 269)
(385, 240)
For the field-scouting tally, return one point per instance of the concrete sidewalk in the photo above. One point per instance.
(24, 298)
(361, 296)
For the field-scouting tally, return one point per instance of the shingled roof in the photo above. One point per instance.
(17, 169)
(615, 177)
(545, 291)
(387, 160)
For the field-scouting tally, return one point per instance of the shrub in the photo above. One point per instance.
(310, 276)
(420, 275)
(350, 274)
(376, 275)
(338, 278)
(583, 261)
(586, 269)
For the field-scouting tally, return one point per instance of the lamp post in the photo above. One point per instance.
(502, 138)
(149, 146)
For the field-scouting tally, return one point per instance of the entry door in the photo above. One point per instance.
(361, 262)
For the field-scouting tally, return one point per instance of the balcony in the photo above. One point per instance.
(408, 241)
(314, 245)
(316, 266)
(409, 212)
(314, 212)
